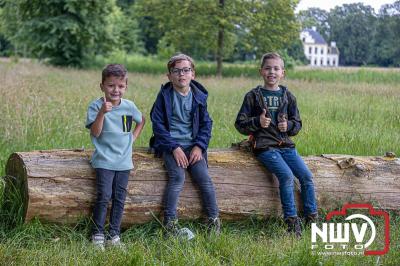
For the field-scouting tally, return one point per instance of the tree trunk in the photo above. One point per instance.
(220, 42)
(59, 185)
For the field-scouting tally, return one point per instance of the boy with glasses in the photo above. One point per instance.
(182, 131)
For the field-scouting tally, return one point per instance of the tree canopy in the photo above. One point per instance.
(211, 29)
(315, 17)
(351, 27)
(72, 33)
(65, 32)
(384, 47)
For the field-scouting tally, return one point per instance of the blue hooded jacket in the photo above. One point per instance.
(161, 114)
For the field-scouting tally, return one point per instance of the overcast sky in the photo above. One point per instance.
(329, 4)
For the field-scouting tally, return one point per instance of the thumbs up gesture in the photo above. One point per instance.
(106, 107)
(264, 121)
(282, 123)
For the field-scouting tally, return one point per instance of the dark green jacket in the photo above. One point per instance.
(248, 120)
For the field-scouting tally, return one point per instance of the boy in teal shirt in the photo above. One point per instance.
(110, 120)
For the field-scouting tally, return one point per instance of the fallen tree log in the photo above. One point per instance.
(59, 185)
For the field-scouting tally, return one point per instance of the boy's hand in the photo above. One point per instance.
(106, 107)
(282, 126)
(264, 121)
(180, 157)
(196, 154)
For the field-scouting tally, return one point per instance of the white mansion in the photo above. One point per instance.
(317, 50)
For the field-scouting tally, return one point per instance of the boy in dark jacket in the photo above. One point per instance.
(269, 114)
(182, 131)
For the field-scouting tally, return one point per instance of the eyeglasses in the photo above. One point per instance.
(178, 71)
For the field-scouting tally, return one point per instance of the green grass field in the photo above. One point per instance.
(343, 111)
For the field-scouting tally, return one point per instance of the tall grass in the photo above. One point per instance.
(347, 75)
(44, 108)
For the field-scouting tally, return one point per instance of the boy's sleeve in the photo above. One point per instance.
(245, 123)
(136, 114)
(164, 139)
(294, 120)
(205, 127)
(91, 115)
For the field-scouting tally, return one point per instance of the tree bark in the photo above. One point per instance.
(59, 185)
(220, 41)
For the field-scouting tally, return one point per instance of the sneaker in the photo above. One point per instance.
(311, 218)
(171, 227)
(185, 234)
(98, 241)
(294, 226)
(115, 242)
(214, 225)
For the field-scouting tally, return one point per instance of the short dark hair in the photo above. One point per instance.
(179, 57)
(116, 70)
(272, 55)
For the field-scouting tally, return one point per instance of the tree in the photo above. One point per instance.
(315, 17)
(191, 26)
(352, 27)
(384, 48)
(296, 51)
(271, 25)
(125, 4)
(209, 29)
(66, 32)
(127, 31)
(5, 46)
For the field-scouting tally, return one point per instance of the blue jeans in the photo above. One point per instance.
(286, 164)
(110, 185)
(176, 179)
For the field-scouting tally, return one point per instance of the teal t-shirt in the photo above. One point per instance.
(273, 99)
(113, 148)
(181, 128)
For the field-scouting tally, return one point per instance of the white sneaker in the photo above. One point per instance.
(116, 242)
(98, 241)
(185, 233)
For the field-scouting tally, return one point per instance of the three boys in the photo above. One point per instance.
(182, 130)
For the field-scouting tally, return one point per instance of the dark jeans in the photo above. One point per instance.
(110, 185)
(176, 175)
(286, 164)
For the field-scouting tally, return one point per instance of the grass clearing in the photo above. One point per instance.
(45, 107)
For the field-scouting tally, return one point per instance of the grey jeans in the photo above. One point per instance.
(176, 179)
(110, 185)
